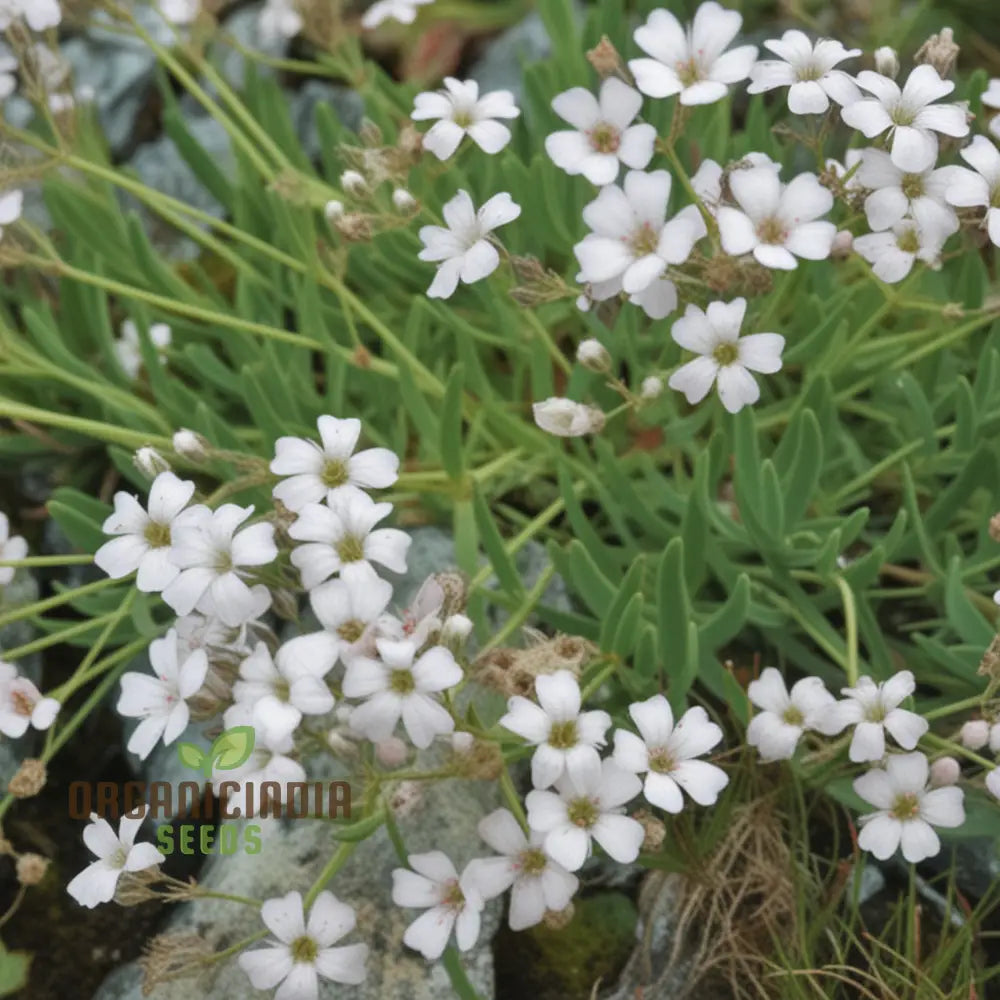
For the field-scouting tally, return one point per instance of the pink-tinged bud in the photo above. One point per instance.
(975, 734)
(945, 771)
(391, 752)
(842, 244)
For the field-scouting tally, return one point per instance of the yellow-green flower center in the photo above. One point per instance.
(401, 682)
(350, 549)
(772, 230)
(726, 353)
(582, 813)
(661, 760)
(352, 630)
(908, 242)
(334, 473)
(157, 535)
(604, 138)
(304, 949)
(533, 861)
(563, 735)
(793, 716)
(906, 806)
(912, 185)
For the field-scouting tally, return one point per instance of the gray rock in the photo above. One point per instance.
(440, 815)
(303, 102)
(500, 67)
(242, 26)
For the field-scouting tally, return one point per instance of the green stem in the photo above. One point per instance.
(56, 638)
(456, 974)
(336, 862)
(39, 607)
(68, 560)
(851, 622)
(511, 797)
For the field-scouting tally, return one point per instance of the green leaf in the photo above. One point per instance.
(451, 424)
(970, 624)
(13, 971)
(191, 755)
(232, 748)
(80, 517)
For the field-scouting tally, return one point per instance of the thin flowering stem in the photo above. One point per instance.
(452, 962)
(511, 797)
(976, 701)
(957, 748)
(336, 862)
(110, 433)
(56, 638)
(517, 618)
(65, 597)
(38, 561)
(851, 624)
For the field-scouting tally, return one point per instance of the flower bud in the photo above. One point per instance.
(29, 780)
(31, 868)
(391, 752)
(462, 743)
(404, 201)
(191, 445)
(333, 210)
(353, 182)
(975, 734)
(583, 303)
(652, 387)
(886, 61)
(945, 771)
(592, 354)
(149, 461)
(456, 628)
(994, 528)
(993, 782)
(567, 418)
(843, 244)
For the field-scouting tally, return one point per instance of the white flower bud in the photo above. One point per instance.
(352, 181)
(592, 354)
(149, 461)
(456, 627)
(567, 418)
(333, 210)
(583, 303)
(391, 752)
(191, 445)
(945, 771)
(975, 734)
(993, 781)
(886, 61)
(842, 244)
(403, 200)
(652, 387)
(462, 743)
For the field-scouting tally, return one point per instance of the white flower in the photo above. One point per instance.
(808, 70)
(320, 472)
(160, 701)
(181, 12)
(39, 14)
(979, 186)
(116, 854)
(784, 716)
(991, 96)
(592, 809)
(128, 350)
(461, 111)
(452, 903)
(294, 677)
(397, 687)
(692, 62)
(896, 194)
(304, 951)
(776, 221)
(603, 134)
(212, 555)
(145, 539)
(566, 417)
(726, 358)
(631, 239)
(350, 612)
(278, 21)
(11, 204)
(567, 739)
(667, 754)
(462, 246)
(537, 883)
(893, 253)
(12, 548)
(404, 11)
(707, 179)
(340, 537)
(910, 114)
(993, 782)
(873, 709)
(22, 704)
(907, 810)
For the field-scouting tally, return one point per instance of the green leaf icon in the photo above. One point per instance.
(191, 755)
(233, 748)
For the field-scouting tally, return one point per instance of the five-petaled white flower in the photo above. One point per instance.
(160, 700)
(567, 739)
(145, 539)
(212, 555)
(397, 686)
(979, 186)
(461, 111)
(631, 239)
(452, 903)
(907, 810)
(129, 352)
(910, 114)
(667, 754)
(693, 62)
(404, 11)
(116, 854)
(12, 548)
(873, 709)
(537, 883)
(293, 676)
(777, 222)
(461, 247)
(893, 253)
(603, 134)
(785, 715)
(341, 537)
(304, 951)
(896, 194)
(725, 358)
(567, 418)
(319, 472)
(808, 70)
(350, 612)
(22, 704)
(591, 809)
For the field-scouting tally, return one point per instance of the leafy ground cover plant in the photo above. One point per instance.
(711, 319)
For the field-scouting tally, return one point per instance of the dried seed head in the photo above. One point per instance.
(29, 779)
(137, 887)
(655, 830)
(482, 760)
(989, 666)
(556, 920)
(605, 59)
(939, 51)
(994, 528)
(355, 227)
(172, 956)
(31, 868)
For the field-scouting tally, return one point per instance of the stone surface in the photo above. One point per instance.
(500, 66)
